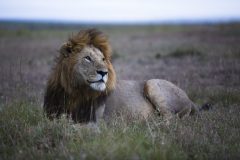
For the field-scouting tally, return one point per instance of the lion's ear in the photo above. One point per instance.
(66, 49)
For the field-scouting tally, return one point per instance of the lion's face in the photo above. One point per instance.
(85, 62)
(91, 68)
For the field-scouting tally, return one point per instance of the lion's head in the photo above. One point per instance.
(82, 77)
(91, 68)
(85, 64)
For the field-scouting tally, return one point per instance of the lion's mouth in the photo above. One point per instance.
(99, 81)
(99, 85)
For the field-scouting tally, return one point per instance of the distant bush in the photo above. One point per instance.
(181, 52)
(115, 55)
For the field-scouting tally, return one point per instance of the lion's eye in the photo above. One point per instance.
(88, 59)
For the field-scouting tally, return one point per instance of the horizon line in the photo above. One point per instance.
(176, 21)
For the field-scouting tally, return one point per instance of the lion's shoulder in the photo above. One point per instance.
(128, 97)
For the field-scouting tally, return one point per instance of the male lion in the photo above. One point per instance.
(83, 85)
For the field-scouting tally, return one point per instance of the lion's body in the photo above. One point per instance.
(83, 85)
(143, 98)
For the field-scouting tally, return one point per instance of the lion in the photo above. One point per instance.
(83, 85)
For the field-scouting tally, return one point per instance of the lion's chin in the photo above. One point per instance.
(98, 86)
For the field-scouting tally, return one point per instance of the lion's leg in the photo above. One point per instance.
(184, 112)
(168, 98)
(153, 94)
(99, 112)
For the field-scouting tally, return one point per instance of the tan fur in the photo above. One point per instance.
(67, 93)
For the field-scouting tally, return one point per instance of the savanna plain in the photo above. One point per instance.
(202, 59)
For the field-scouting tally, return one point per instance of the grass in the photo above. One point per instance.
(208, 50)
(220, 97)
(26, 133)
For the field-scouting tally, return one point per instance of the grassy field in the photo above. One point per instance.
(204, 60)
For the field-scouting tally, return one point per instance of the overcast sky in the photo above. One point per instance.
(121, 10)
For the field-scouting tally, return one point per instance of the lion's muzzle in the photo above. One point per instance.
(99, 82)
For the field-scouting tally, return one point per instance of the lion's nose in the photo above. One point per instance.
(102, 73)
